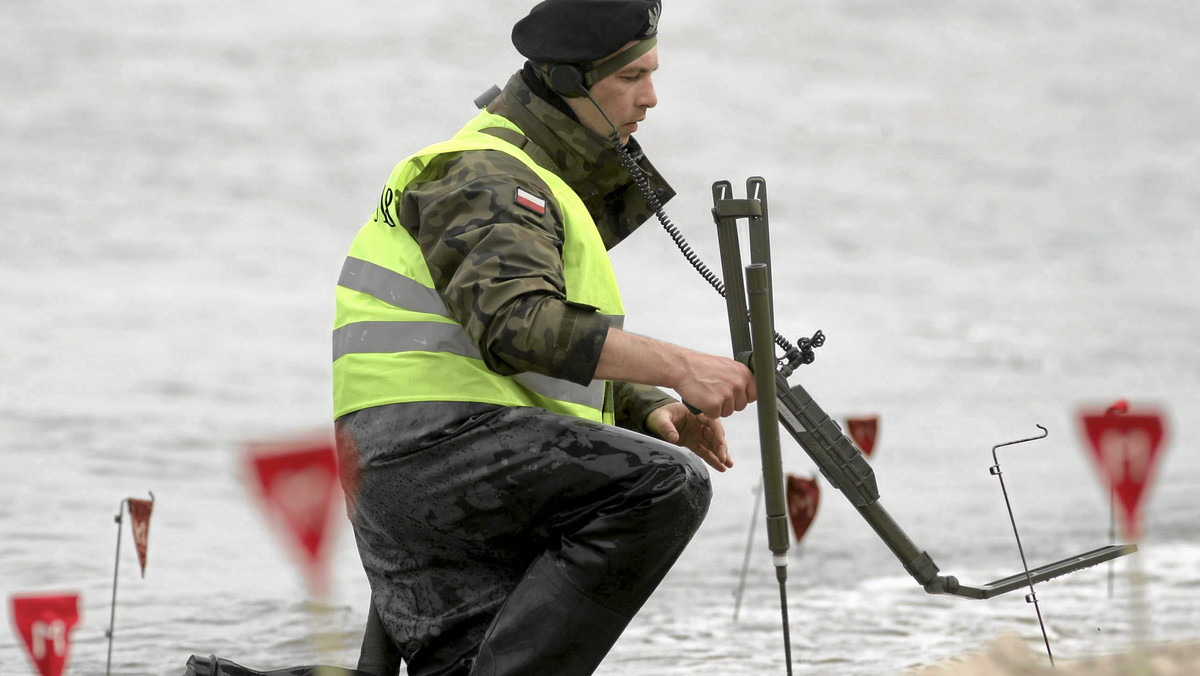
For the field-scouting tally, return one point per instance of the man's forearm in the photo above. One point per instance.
(718, 386)
(638, 359)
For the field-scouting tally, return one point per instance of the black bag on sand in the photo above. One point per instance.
(378, 657)
(217, 666)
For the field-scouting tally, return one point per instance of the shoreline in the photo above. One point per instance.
(1010, 655)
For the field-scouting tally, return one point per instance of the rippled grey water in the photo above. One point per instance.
(990, 208)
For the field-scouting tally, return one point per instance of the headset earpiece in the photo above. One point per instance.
(566, 80)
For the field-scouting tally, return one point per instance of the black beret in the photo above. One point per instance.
(582, 31)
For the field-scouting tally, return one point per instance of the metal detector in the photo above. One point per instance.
(754, 338)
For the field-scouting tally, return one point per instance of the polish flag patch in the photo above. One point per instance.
(531, 201)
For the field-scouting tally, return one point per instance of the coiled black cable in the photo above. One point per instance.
(793, 356)
(643, 184)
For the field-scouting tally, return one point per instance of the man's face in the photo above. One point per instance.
(625, 96)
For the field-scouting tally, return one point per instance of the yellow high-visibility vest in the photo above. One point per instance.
(394, 340)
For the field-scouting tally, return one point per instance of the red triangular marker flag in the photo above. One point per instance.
(44, 624)
(803, 497)
(1126, 450)
(139, 521)
(297, 481)
(864, 432)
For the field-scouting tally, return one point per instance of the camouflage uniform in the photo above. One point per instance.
(462, 509)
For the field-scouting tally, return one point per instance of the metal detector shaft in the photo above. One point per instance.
(762, 331)
(821, 438)
(768, 419)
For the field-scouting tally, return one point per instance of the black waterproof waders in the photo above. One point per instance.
(505, 541)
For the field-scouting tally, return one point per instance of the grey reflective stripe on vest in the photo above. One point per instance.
(395, 289)
(564, 390)
(390, 287)
(391, 337)
(375, 337)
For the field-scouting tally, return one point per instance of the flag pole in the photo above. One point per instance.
(746, 555)
(112, 618)
(1112, 532)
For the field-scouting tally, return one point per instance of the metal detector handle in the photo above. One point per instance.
(726, 211)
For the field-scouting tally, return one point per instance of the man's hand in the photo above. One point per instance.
(703, 435)
(718, 386)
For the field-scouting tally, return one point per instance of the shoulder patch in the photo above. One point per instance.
(531, 201)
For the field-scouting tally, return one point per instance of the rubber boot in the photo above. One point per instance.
(547, 626)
